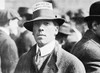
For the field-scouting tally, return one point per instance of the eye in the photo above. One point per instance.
(36, 23)
(46, 23)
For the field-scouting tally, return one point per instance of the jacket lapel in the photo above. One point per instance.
(31, 58)
(53, 62)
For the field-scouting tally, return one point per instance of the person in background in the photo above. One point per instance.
(26, 39)
(14, 29)
(88, 48)
(77, 19)
(74, 20)
(64, 31)
(8, 48)
(47, 56)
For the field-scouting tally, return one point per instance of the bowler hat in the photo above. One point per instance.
(6, 15)
(94, 13)
(42, 11)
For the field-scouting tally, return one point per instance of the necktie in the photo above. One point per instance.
(37, 58)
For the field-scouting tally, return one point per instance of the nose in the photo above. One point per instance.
(40, 30)
(41, 27)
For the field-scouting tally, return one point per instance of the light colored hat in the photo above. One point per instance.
(43, 11)
(66, 29)
(6, 15)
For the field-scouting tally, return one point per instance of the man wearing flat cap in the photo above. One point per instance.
(47, 56)
(88, 48)
(8, 48)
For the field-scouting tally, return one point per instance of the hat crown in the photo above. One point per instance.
(42, 5)
(24, 10)
(95, 8)
(43, 9)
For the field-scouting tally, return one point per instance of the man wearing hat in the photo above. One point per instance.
(64, 31)
(47, 56)
(88, 48)
(8, 49)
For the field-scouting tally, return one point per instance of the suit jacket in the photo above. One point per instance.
(88, 51)
(8, 53)
(59, 61)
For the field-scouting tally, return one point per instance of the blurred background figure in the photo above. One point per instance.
(68, 36)
(88, 48)
(14, 29)
(8, 48)
(77, 20)
(62, 35)
(26, 38)
(74, 37)
(78, 27)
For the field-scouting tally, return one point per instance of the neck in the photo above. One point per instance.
(42, 44)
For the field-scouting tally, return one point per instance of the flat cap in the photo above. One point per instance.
(6, 15)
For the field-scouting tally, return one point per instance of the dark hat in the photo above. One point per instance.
(6, 15)
(24, 11)
(43, 11)
(78, 17)
(94, 12)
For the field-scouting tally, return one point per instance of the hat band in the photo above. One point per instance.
(43, 13)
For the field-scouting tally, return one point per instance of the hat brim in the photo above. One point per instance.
(29, 24)
(92, 17)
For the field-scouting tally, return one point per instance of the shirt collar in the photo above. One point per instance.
(47, 48)
(5, 30)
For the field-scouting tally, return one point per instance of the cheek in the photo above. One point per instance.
(98, 31)
(34, 31)
(52, 31)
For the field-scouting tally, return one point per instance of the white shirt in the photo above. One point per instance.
(45, 50)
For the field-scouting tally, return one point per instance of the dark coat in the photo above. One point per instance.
(8, 53)
(24, 42)
(59, 61)
(88, 51)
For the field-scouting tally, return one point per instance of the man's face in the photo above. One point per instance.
(22, 21)
(44, 31)
(13, 26)
(98, 30)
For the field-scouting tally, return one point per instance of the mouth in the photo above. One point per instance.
(40, 35)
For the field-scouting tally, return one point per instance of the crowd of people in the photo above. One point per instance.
(37, 40)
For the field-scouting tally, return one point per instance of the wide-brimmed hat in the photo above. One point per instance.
(66, 29)
(94, 12)
(43, 11)
(6, 15)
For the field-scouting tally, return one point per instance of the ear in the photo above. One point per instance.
(63, 42)
(56, 30)
(94, 25)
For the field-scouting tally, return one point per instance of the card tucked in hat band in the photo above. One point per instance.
(42, 5)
